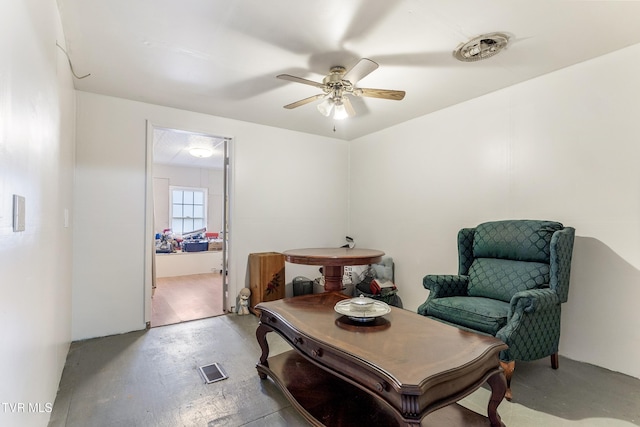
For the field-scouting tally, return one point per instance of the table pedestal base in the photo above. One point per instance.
(333, 277)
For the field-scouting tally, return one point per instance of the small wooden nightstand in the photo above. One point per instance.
(266, 278)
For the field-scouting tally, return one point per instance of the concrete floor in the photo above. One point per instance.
(151, 378)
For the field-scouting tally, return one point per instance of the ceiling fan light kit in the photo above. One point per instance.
(481, 47)
(325, 107)
(340, 111)
(338, 86)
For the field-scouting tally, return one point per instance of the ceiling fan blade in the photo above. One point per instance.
(304, 101)
(362, 69)
(348, 107)
(395, 95)
(300, 80)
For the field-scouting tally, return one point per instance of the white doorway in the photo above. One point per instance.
(186, 277)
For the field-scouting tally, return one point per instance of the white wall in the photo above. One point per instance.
(186, 263)
(181, 176)
(37, 116)
(288, 190)
(562, 147)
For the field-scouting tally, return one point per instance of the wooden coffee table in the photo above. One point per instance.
(400, 369)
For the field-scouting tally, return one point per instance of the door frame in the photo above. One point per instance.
(149, 268)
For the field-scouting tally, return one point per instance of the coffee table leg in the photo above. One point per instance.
(261, 336)
(498, 384)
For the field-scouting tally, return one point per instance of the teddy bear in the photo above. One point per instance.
(243, 301)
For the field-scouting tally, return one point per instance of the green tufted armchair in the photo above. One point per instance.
(512, 278)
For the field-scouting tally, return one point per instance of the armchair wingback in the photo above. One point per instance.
(512, 278)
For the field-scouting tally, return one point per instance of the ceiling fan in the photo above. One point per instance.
(338, 85)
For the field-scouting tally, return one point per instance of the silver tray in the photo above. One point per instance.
(377, 309)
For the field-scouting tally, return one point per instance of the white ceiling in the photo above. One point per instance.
(221, 57)
(171, 147)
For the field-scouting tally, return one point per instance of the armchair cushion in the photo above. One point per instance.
(502, 278)
(480, 314)
(522, 240)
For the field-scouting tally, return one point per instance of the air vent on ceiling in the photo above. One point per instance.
(481, 47)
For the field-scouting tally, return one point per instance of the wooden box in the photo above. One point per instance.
(215, 245)
(266, 278)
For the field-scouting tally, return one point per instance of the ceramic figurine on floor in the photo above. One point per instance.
(243, 298)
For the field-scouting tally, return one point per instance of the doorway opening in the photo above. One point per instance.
(188, 199)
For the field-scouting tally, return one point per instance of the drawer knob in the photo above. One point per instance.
(297, 341)
(381, 387)
(316, 352)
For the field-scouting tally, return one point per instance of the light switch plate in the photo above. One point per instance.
(18, 213)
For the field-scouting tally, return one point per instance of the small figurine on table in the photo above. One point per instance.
(243, 304)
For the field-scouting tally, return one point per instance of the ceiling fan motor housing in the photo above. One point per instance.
(334, 82)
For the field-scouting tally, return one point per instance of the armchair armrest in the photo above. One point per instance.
(532, 300)
(533, 325)
(447, 285)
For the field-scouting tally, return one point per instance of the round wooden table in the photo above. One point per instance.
(333, 261)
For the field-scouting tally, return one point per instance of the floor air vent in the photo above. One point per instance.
(212, 373)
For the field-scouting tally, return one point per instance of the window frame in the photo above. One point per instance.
(172, 218)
